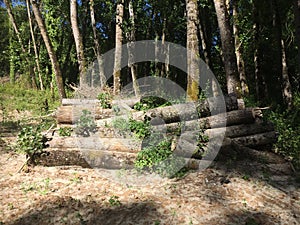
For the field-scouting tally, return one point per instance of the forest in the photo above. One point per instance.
(56, 51)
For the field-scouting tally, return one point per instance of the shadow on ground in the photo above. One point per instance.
(84, 212)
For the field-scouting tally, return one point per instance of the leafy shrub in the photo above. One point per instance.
(32, 142)
(150, 102)
(287, 124)
(105, 100)
(65, 131)
(86, 124)
(159, 159)
(139, 128)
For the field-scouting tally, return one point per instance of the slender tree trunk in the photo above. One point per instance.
(12, 75)
(286, 85)
(118, 47)
(131, 38)
(14, 24)
(97, 45)
(31, 77)
(34, 46)
(228, 54)
(193, 73)
(238, 51)
(165, 72)
(51, 53)
(78, 42)
(297, 24)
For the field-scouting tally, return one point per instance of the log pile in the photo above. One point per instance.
(238, 127)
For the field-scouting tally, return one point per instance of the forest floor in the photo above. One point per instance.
(232, 191)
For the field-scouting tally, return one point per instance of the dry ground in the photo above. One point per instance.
(231, 192)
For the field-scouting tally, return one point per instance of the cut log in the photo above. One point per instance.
(179, 112)
(187, 148)
(130, 145)
(78, 101)
(71, 113)
(246, 116)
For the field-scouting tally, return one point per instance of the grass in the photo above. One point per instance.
(15, 97)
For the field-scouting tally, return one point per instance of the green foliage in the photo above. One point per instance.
(86, 124)
(65, 131)
(158, 158)
(17, 97)
(105, 100)
(139, 128)
(287, 124)
(150, 102)
(32, 142)
(114, 201)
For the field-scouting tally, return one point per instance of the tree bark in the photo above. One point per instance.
(34, 46)
(193, 57)
(51, 53)
(78, 42)
(97, 46)
(118, 46)
(246, 116)
(260, 84)
(131, 39)
(238, 51)
(297, 25)
(184, 111)
(228, 54)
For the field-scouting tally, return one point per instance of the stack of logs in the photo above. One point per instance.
(107, 148)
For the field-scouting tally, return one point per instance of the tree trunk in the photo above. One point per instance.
(97, 46)
(228, 54)
(297, 25)
(193, 57)
(31, 77)
(238, 50)
(78, 42)
(286, 85)
(165, 72)
(131, 39)
(118, 46)
(34, 46)
(246, 116)
(51, 53)
(72, 110)
(260, 85)
(14, 24)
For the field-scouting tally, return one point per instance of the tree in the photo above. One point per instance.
(34, 46)
(193, 56)
(21, 43)
(97, 45)
(286, 84)
(131, 38)
(238, 49)
(118, 46)
(228, 53)
(297, 24)
(51, 53)
(78, 41)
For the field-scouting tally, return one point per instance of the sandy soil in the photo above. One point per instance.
(231, 192)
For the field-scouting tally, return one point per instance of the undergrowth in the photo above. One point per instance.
(287, 124)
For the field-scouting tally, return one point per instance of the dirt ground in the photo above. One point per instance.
(233, 191)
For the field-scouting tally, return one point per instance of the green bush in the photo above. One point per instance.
(158, 158)
(287, 124)
(150, 102)
(65, 131)
(105, 100)
(141, 129)
(86, 124)
(31, 142)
